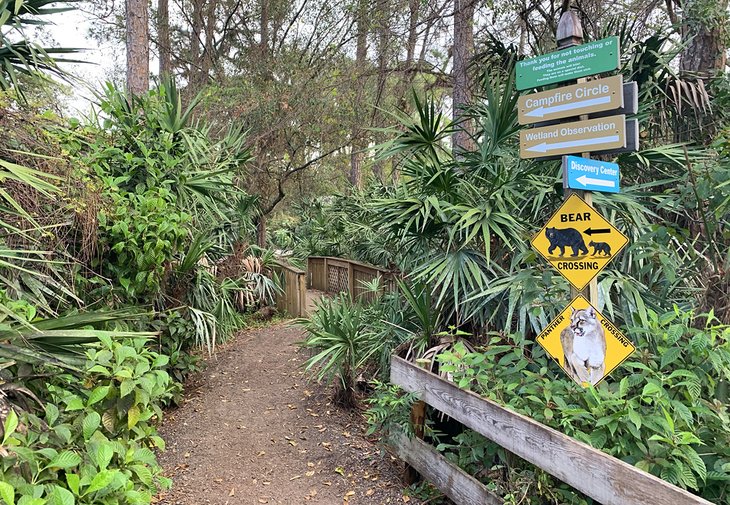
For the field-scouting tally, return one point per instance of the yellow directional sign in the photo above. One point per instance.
(600, 134)
(584, 98)
(584, 343)
(578, 241)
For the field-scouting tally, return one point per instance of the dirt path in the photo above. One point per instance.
(254, 431)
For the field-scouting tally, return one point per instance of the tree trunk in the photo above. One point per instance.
(209, 45)
(163, 37)
(264, 27)
(356, 158)
(138, 47)
(383, 30)
(194, 68)
(463, 51)
(705, 53)
(261, 232)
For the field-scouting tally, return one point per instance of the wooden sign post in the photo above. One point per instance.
(584, 117)
(569, 34)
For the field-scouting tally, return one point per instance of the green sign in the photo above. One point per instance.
(572, 63)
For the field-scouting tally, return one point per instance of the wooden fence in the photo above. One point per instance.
(604, 478)
(337, 275)
(293, 297)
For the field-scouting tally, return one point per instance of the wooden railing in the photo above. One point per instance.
(604, 478)
(337, 275)
(292, 299)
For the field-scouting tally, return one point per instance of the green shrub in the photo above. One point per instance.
(663, 411)
(94, 441)
(337, 333)
(141, 233)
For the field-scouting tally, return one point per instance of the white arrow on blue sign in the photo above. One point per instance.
(590, 175)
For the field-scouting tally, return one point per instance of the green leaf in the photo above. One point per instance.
(51, 413)
(98, 394)
(126, 387)
(7, 493)
(100, 481)
(11, 423)
(91, 424)
(133, 417)
(61, 496)
(635, 418)
(144, 474)
(64, 432)
(103, 455)
(74, 403)
(66, 459)
(28, 500)
(651, 389)
(670, 356)
(73, 481)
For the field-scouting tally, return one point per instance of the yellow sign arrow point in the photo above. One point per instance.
(586, 345)
(578, 241)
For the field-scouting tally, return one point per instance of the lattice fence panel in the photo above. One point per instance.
(337, 280)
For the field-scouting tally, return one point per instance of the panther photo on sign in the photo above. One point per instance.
(586, 345)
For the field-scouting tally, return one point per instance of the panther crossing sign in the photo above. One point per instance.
(578, 241)
(586, 345)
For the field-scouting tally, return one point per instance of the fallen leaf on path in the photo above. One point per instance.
(310, 473)
(406, 499)
(348, 494)
(296, 477)
(263, 500)
(369, 492)
(340, 470)
(233, 491)
(261, 453)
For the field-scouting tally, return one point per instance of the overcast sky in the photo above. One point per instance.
(70, 29)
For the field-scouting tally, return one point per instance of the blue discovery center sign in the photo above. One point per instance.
(590, 175)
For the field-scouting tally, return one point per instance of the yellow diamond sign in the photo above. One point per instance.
(585, 344)
(578, 241)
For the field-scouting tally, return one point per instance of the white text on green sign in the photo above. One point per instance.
(572, 63)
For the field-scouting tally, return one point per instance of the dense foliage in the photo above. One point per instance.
(125, 251)
(475, 295)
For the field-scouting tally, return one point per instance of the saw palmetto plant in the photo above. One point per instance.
(18, 54)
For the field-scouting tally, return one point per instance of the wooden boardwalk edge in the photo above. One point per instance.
(454, 482)
(594, 473)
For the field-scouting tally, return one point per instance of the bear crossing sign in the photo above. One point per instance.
(578, 241)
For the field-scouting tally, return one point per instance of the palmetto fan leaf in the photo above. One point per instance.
(19, 55)
(59, 340)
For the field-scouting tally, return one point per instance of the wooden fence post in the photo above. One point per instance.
(351, 280)
(302, 295)
(418, 420)
(326, 276)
